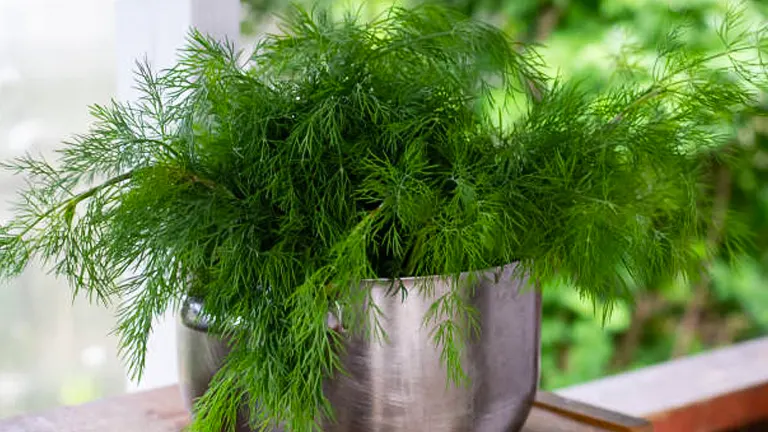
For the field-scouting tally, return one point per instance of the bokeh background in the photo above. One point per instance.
(55, 59)
(58, 57)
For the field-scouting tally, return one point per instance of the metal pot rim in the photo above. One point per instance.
(194, 316)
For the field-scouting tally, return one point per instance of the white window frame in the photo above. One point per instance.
(155, 30)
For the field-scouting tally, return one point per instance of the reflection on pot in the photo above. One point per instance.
(400, 385)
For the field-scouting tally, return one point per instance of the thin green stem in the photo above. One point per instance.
(165, 146)
(657, 90)
(75, 200)
(391, 47)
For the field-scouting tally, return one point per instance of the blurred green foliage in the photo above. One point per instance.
(585, 39)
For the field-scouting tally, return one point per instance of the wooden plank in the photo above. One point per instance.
(541, 420)
(599, 418)
(154, 411)
(722, 389)
(162, 410)
(727, 412)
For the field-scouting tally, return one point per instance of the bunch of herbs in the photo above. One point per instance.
(420, 143)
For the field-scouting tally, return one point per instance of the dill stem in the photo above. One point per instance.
(76, 200)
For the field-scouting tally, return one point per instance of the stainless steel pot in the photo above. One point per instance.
(401, 385)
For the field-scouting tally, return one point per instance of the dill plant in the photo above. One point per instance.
(271, 184)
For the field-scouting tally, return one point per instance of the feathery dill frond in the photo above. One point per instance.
(343, 151)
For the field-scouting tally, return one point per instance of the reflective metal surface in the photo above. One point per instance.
(401, 385)
(200, 354)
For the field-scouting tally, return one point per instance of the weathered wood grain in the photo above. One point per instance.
(599, 418)
(162, 411)
(152, 411)
(718, 390)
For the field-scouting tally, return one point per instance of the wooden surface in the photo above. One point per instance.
(578, 416)
(718, 390)
(162, 411)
